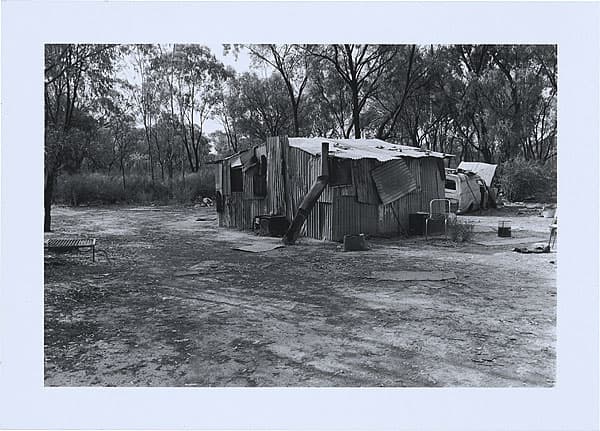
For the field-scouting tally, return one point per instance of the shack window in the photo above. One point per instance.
(260, 179)
(450, 185)
(237, 180)
(340, 172)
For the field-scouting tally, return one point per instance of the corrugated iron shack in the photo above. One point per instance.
(373, 185)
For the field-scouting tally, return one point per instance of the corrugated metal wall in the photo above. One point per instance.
(366, 192)
(393, 217)
(351, 217)
(340, 210)
(219, 177)
(276, 182)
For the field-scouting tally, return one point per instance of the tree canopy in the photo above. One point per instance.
(144, 108)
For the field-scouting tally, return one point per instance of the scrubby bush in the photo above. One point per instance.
(95, 188)
(196, 186)
(89, 188)
(460, 230)
(527, 180)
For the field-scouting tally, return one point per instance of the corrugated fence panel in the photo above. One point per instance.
(247, 178)
(432, 183)
(231, 208)
(306, 169)
(251, 209)
(219, 177)
(414, 166)
(327, 195)
(351, 217)
(275, 180)
(393, 180)
(226, 178)
(237, 210)
(326, 217)
(300, 180)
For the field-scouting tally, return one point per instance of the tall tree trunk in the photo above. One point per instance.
(147, 133)
(296, 121)
(48, 193)
(355, 112)
(123, 174)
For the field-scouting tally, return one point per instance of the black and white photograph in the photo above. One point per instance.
(299, 215)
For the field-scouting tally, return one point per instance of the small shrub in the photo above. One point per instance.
(459, 230)
(96, 188)
(527, 180)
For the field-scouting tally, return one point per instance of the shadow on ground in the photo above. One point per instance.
(177, 306)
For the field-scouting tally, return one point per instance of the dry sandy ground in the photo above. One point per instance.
(177, 306)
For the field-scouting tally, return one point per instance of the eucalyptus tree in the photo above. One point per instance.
(146, 95)
(361, 67)
(263, 108)
(74, 75)
(292, 63)
(194, 77)
(330, 113)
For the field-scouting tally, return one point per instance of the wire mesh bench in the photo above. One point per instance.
(62, 245)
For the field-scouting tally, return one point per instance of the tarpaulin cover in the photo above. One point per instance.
(484, 170)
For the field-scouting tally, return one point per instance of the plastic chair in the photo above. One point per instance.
(439, 209)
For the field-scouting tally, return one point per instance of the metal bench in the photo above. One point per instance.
(62, 245)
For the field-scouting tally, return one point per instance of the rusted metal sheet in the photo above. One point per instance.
(226, 178)
(275, 179)
(351, 217)
(366, 192)
(301, 178)
(393, 217)
(414, 166)
(326, 220)
(432, 185)
(306, 169)
(247, 178)
(393, 180)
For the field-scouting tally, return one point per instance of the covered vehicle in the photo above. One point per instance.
(468, 186)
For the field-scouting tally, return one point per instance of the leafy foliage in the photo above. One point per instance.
(528, 180)
(131, 118)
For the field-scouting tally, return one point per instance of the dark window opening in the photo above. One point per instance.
(237, 179)
(450, 185)
(259, 180)
(340, 172)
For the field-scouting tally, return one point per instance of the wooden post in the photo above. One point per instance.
(310, 199)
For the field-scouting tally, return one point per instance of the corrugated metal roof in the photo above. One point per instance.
(485, 171)
(393, 180)
(356, 149)
(362, 149)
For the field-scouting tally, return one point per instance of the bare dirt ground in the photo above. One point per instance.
(177, 306)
